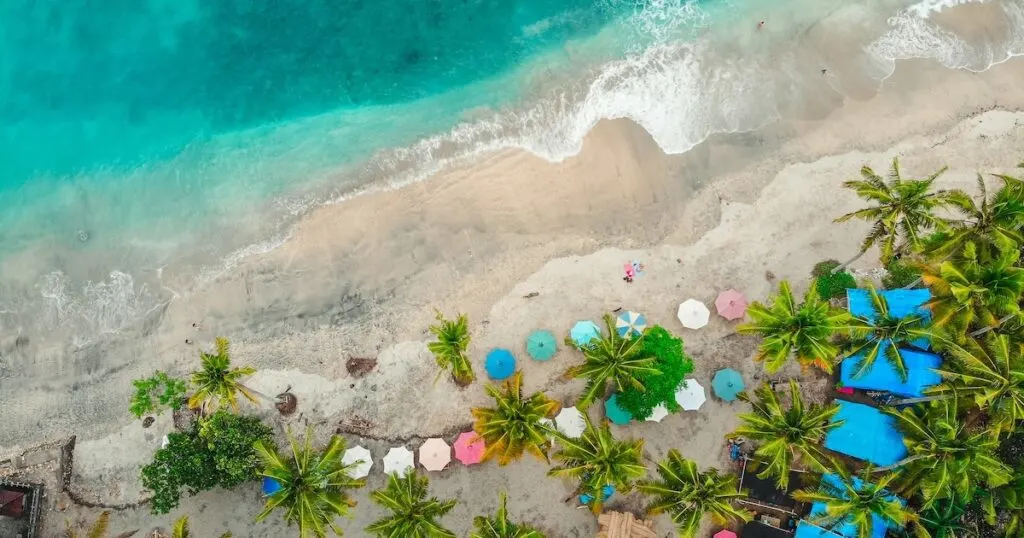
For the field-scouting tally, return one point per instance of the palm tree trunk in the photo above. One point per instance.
(998, 324)
(900, 463)
(845, 264)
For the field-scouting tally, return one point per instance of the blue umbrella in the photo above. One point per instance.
(630, 324)
(270, 486)
(606, 492)
(541, 345)
(584, 331)
(727, 384)
(500, 364)
(615, 413)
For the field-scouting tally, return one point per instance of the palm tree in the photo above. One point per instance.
(181, 530)
(944, 460)
(500, 527)
(611, 360)
(217, 382)
(687, 494)
(513, 425)
(786, 435)
(854, 500)
(884, 334)
(598, 459)
(943, 519)
(312, 485)
(413, 514)
(1007, 501)
(804, 330)
(98, 529)
(450, 347)
(967, 294)
(990, 372)
(901, 210)
(993, 224)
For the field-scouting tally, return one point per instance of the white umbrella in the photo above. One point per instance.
(570, 422)
(360, 459)
(691, 396)
(397, 460)
(435, 454)
(658, 413)
(693, 314)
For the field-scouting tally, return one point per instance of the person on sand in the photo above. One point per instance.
(760, 25)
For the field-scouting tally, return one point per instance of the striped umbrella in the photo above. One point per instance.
(630, 324)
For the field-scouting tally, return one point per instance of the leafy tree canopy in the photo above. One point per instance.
(672, 364)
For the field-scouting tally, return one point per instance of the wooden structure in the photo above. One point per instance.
(624, 525)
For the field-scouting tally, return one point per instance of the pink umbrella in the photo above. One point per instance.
(725, 533)
(469, 448)
(435, 454)
(731, 304)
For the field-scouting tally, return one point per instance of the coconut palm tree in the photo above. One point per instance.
(217, 382)
(181, 530)
(943, 519)
(98, 529)
(944, 460)
(513, 425)
(883, 334)
(989, 372)
(598, 459)
(611, 360)
(413, 515)
(500, 527)
(854, 500)
(787, 435)
(901, 209)
(968, 294)
(992, 224)
(313, 486)
(1005, 505)
(687, 494)
(805, 330)
(450, 347)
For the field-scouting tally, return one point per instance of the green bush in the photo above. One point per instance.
(168, 391)
(217, 452)
(824, 268)
(899, 274)
(831, 285)
(671, 361)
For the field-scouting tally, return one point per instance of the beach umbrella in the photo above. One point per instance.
(727, 384)
(360, 456)
(690, 396)
(397, 460)
(658, 413)
(607, 491)
(541, 345)
(731, 304)
(570, 422)
(693, 314)
(270, 486)
(435, 454)
(725, 533)
(500, 364)
(615, 413)
(630, 324)
(469, 448)
(584, 331)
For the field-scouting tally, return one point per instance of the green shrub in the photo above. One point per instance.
(824, 268)
(899, 274)
(671, 361)
(831, 285)
(168, 391)
(217, 452)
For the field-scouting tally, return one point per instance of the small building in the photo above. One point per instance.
(866, 434)
(20, 508)
(839, 529)
(921, 374)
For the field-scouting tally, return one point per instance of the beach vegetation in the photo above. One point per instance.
(882, 334)
(1004, 506)
(217, 452)
(500, 526)
(989, 373)
(155, 393)
(612, 360)
(830, 283)
(513, 426)
(900, 210)
(450, 347)
(314, 484)
(943, 519)
(992, 224)
(597, 459)
(900, 274)
(857, 501)
(805, 330)
(687, 495)
(217, 383)
(787, 435)
(413, 514)
(672, 364)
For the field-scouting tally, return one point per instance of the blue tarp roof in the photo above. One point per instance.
(882, 376)
(901, 303)
(845, 529)
(810, 530)
(866, 434)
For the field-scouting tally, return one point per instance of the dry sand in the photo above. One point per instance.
(363, 279)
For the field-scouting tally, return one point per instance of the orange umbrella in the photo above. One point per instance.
(435, 454)
(469, 448)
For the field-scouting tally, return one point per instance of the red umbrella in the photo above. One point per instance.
(731, 304)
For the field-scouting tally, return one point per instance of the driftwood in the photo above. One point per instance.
(624, 525)
(359, 366)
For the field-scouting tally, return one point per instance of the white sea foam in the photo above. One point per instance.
(94, 308)
(925, 8)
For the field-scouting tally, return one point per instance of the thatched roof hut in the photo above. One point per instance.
(624, 525)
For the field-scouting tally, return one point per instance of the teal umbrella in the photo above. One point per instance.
(727, 383)
(615, 413)
(541, 345)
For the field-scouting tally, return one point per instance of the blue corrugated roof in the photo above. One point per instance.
(810, 530)
(843, 528)
(867, 434)
(882, 376)
(901, 303)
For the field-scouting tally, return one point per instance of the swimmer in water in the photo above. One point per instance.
(760, 25)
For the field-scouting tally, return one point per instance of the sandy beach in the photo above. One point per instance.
(517, 243)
